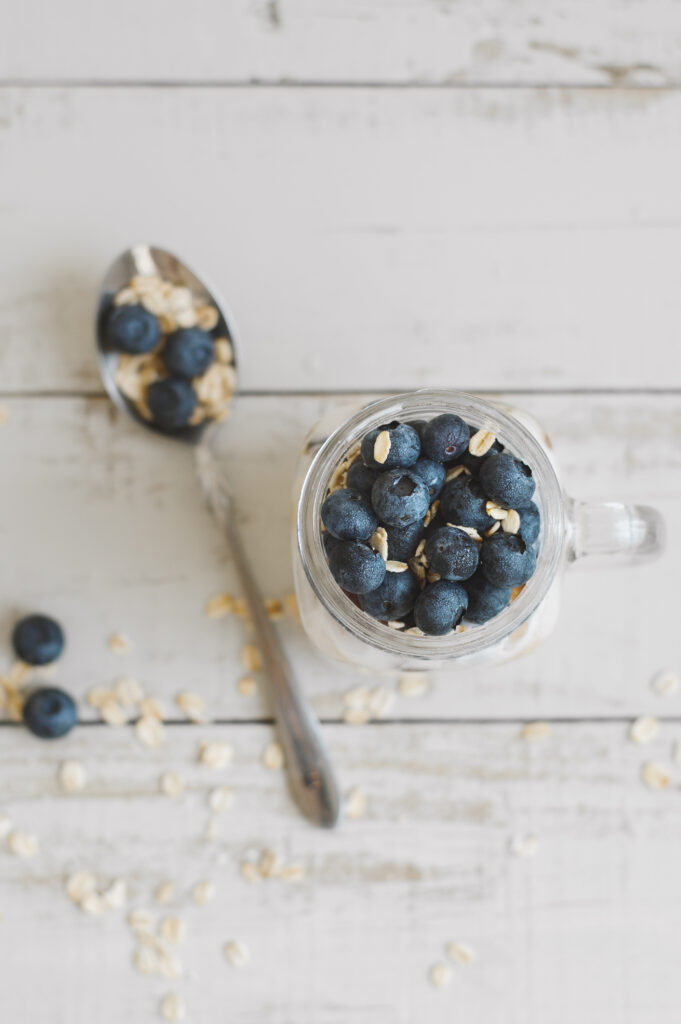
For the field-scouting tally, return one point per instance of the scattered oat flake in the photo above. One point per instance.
(149, 731)
(93, 904)
(22, 844)
(191, 704)
(203, 892)
(165, 892)
(172, 784)
(460, 953)
(644, 729)
(440, 975)
(112, 712)
(454, 472)
(168, 965)
(98, 696)
(655, 775)
(237, 953)
(273, 756)
(79, 885)
(128, 691)
(220, 798)
(524, 846)
(269, 864)
(146, 960)
(251, 658)
(141, 921)
(381, 700)
(379, 542)
(495, 511)
(356, 716)
(356, 803)
(247, 686)
(115, 895)
(72, 776)
(250, 871)
(153, 707)
(119, 643)
(172, 1008)
(535, 731)
(292, 873)
(665, 682)
(172, 929)
(413, 684)
(357, 697)
(382, 446)
(215, 753)
(393, 566)
(219, 605)
(511, 524)
(274, 608)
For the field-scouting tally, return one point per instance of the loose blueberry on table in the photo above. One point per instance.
(432, 525)
(48, 712)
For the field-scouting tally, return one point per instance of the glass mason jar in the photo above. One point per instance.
(570, 530)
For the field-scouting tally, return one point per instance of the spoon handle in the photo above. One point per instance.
(310, 773)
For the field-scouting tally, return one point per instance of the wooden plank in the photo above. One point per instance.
(103, 526)
(359, 41)
(555, 935)
(496, 239)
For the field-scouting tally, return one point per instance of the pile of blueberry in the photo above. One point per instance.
(175, 375)
(48, 712)
(434, 523)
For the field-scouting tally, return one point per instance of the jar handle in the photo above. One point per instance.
(613, 533)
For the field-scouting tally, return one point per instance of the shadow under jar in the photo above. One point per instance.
(570, 530)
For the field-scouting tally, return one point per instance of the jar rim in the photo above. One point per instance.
(517, 439)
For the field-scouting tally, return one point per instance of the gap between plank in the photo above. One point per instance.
(71, 393)
(388, 722)
(289, 84)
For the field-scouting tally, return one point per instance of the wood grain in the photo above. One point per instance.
(636, 43)
(585, 931)
(103, 526)
(364, 238)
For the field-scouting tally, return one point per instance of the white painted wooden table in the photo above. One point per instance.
(480, 194)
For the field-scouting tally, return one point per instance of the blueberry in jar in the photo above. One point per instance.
(507, 480)
(432, 474)
(485, 600)
(132, 329)
(452, 553)
(399, 446)
(189, 352)
(530, 523)
(38, 639)
(506, 560)
(171, 403)
(403, 540)
(463, 503)
(419, 426)
(400, 497)
(440, 607)
(394, 598)
(356, 567)
(445, 438)
(329, 542)
(361, 478)
(50, 712)
(348, 515)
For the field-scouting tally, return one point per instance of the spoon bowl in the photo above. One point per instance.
(148, 260)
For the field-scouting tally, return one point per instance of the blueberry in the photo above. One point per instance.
(361, 478)
(530, 523)
(356, 568)
(432, 474)
(329, 542)
(445, 437)
(507, 480)
(484, 599)
(462, 503)
(171, 403)
(394, 598)
(50, 712)
(419, 426)
(38, 640)
(506, 560)
(440, 607)
(400, 497)
(403, 540)
(132, 329)
(404, 450)
(452, 554)
(348, 515)
(474, 462)
(189, 352)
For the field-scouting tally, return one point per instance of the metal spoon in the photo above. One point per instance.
(310, 774)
